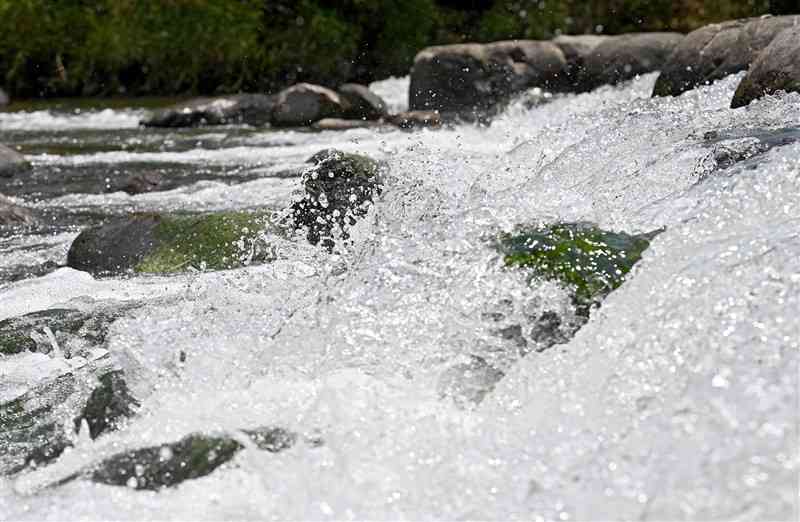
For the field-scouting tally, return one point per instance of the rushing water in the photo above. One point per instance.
(677, 400)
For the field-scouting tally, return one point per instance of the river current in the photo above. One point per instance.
(677, 400)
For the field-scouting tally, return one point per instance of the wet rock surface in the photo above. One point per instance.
(361, 103)
(717, 50)
(305, 103)
(250, 109)
(338, 189)
(108, 405)
(12, 214)
(165, 243)
(66, 330)
(621, 58)
(777, 68)
(410, 120)
(12, 163)
(476, 78)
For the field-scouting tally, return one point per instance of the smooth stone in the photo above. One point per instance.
(167, 243)
(361, 103)
(12, 214)
(715, 51)
(623, 57)
(303, 104)
(477, 78)
(251, 109)
(142, 183)
(12, 163)
(777, 68)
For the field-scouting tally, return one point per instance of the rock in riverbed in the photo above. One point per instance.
(361, 103)
(4, 100)
(303, 104)
(589, 261)
(717, 50)
(164, 243)
(251, 109)
(12, 163)
(777, 68)
(13, 214)
(411, 120)
(475, 78)
(339, 189)
(622, 57)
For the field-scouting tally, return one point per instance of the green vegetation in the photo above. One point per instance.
(211, 242)
(139, 47)
(590, 261)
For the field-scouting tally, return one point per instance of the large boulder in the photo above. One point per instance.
(622, 57)
(303, 104)
(12, 163)
(718, 50)
(12, 214)
(164, 243)
(338, 189)
(777, 68)
(475, 78)
(251, 109)
(576, 49)
(361, 103)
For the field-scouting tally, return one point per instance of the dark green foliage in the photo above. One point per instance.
(590, 261)
(90, 47)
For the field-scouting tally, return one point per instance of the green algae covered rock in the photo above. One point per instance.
(71, 330)
(589, 261)
(168, 243)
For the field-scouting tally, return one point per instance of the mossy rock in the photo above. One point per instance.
(169, 243)
(69, 327)
(33, 426)
(194, 456)
(589, 261)
(339, 190)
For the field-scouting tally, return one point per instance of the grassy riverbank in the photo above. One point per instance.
(163, 47)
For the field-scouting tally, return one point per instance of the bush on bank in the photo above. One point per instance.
(136, 47)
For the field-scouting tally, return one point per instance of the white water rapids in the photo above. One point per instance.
(677, 400)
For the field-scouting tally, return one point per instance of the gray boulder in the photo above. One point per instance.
(576, 48)
(777, 68)
(475, 78)
(303, 104)
(12, 163)
(251, 109)
(718, 50)
(13, 214)
(361, 103)
(622, 57)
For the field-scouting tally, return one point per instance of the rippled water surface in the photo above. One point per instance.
(677, 400)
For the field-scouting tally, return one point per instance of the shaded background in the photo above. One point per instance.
(163, 47)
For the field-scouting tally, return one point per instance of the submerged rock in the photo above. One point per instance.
(67, 330)
(475, 78)
(777, 68)
(622, 57)
(468, 382)
(194, 456)
(339, 189)
(251, 109)
(303, 104)
(141, 183)
(361, 103)
(165, 243)
(12, 163)
(108, 405)
(589, 261)
(12, 214)
(718, 50)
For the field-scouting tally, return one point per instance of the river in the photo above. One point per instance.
(677, 400)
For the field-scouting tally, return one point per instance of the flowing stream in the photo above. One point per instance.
(678, 399)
